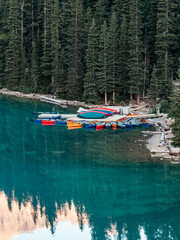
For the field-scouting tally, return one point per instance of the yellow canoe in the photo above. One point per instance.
(74, 124)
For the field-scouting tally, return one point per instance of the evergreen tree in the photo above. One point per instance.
(103, 84)
(88, 20)
(3, 38)
(33, 36)
(174, 112)
(55, 43)
(87, 24)
(117, 7)
(13, 50)
(125, 10)
(123, 53)
(175, 106)
(164, 45)
(23, 57)
(152, 22)
(154, 88)
(46, 60)
(90, 82)
(135, 50)
(66, 16)
(101, 12)
(35, 73)
(75, 46)
(112, 54)
(43, 45)
(57, 52)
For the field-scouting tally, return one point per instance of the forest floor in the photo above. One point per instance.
(159, 144)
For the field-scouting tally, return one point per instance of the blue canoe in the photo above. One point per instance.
(145, 124)
(60, 123)
(38, 121)
(92, 125)
(92, 115)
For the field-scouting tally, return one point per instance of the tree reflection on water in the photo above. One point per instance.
(105, 180)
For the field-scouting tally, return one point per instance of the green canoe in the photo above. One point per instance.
(92, 115)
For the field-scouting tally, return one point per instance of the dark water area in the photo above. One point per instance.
(81, 184)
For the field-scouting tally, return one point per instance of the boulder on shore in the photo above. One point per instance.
(174, 151)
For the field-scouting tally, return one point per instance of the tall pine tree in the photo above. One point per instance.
(75, 46)
(46, 60)
(123, 53)
(135, 50)
(4, 11)
(112, 54)
(90, 81)
(103, 84)
(13, 50)
(165, 43)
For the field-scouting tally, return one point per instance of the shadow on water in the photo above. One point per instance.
(108, 176)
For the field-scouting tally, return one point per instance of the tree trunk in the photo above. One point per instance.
(23, 82)
(145, 60)
(131, 97)
(138, 99)
(105, 98)
(22, 26)
(32, 16)
(143, 96)
(45, 22)
(114, 97)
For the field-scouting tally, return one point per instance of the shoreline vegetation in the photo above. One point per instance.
(159, 144)
(93, 51)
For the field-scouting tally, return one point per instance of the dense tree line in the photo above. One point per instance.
(175, 113)
(90, 50)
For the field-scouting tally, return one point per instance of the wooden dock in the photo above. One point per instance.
(114, 118)
(147, 116)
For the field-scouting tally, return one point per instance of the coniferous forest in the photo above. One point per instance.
(103, 50)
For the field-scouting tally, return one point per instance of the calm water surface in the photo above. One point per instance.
(79, 184)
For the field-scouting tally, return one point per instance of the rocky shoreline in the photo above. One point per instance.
(159, 144)
(37, 96)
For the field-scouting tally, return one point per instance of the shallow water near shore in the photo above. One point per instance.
(81, 184)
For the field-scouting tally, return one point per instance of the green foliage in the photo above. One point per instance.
(13, 50)
(135, 49)
(113, 55)
(90, 81)
(122, 64)
(47, 46)
(75, 46)
(46, 60)
(164, 45)
(103, 83)
(165, 105)
(153, 90)
(175, 113)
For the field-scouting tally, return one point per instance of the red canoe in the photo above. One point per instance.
(46, 122)
(100, 126)
(107, 109)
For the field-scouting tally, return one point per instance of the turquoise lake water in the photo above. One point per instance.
(81, 184)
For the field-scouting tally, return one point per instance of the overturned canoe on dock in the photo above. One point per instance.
(105, 109)
(93, 115)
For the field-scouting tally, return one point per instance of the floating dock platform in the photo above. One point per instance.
(114, 118)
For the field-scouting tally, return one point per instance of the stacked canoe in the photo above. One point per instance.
(97, 113)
